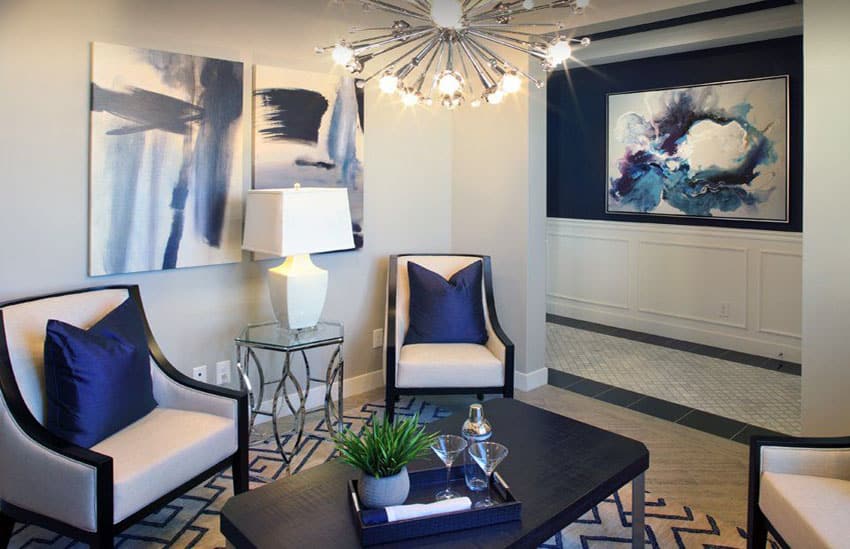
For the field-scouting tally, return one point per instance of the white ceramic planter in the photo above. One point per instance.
(384, 492)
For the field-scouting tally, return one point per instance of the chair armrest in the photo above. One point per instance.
(47, 475)
(821, 457)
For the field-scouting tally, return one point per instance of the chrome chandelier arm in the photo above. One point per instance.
(458, 43)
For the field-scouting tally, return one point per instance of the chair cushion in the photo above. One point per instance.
(807, 511)
(445, 311)
(98, 381)
(163, 450)
(448, 365)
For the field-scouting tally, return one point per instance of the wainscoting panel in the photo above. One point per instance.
(589, 269)
(732, 288)
(780, 310)
(694, 282)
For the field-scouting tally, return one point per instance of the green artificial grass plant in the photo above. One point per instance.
(384, 448)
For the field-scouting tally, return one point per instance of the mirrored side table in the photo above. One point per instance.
(271, 336)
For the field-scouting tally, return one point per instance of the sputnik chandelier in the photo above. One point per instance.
(444, 42)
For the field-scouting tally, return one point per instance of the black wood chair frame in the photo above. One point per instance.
(758, 526)
(106, 530)
(393, 346)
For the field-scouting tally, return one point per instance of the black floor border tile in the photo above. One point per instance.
(561, 379)
(620, 397)
(713, 424)
(767, 363)
(662, 409)
(588, 387)
(750, 431)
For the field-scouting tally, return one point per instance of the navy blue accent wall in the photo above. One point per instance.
(576, 123)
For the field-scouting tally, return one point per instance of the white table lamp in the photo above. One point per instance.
(294, 223)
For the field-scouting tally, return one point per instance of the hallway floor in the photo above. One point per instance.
(753, 395)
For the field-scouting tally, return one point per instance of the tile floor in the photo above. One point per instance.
(752, 395)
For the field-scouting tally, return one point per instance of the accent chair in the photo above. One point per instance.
(799, 492)
(92, 494)
(443, 368)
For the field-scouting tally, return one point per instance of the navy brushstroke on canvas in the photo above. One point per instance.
(658, 164)
(292, 114)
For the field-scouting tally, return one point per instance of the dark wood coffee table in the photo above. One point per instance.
(558, 468)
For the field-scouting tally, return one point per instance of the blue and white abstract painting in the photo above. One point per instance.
(715, 150)
(166, 160)
(308, 129)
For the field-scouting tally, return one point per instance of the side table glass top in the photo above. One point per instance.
(271, 335)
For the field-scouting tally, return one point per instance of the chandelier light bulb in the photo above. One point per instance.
(559, 51)
(449, 83)
(475, 103)
(447, 14)
(342, 54)
(409, 98)
(495, 97)
(511, 82)
(388, 83)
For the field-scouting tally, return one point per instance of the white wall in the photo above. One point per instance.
(498, 209)
(674, 281)
(826, 251)
(195, 313)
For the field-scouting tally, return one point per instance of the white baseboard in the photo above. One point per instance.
(316, 399)
(531, 380)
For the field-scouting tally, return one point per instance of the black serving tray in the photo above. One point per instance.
(423, 485)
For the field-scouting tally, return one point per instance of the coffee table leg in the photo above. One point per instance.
(638, 508)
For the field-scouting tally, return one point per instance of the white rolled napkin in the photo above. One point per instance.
(418, 510)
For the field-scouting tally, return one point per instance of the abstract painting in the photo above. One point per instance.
(714, 150)
(166, 160)
(308, 129)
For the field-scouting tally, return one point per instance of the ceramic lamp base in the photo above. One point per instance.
(298, 290)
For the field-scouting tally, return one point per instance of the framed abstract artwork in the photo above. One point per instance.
(308, 129)
(166, 160)
(716, 150)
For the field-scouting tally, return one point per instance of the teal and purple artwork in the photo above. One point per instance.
(166, 160)
(308, 129)
(715, 150)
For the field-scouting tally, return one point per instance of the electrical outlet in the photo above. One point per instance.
(378, 338)
(222, 372)
(200, 373)
(725, 308)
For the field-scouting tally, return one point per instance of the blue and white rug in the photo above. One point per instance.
(193, 520)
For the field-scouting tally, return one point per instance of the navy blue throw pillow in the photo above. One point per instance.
(445, 311)
(98, 380)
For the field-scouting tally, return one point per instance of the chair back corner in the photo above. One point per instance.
(23, 333)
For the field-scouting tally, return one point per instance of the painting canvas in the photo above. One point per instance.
(166, 160)
(715, 150)
(308, 129)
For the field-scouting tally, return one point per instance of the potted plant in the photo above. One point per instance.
(382, 453)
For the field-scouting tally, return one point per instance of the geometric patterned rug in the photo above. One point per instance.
(193, 519)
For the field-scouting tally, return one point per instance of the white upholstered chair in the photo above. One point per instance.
(443, 368)
(91, 494)
(800, 492)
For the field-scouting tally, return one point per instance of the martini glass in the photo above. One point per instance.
(448, 448)
(488, 456)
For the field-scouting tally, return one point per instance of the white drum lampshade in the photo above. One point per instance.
(294, 223)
